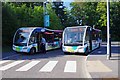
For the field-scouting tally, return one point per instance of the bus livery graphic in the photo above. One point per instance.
(28, 39)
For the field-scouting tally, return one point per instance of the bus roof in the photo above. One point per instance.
(96, 29)
(77, 26)
(58, 30)
(83, 26)
(39, 29)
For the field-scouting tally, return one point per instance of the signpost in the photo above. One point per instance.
(46, 16)
(46, 20)
(108, 31)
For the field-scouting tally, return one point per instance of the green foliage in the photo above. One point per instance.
(16, 15)
(71, 21)
(95, 13)
(102, 12)
(115, 20)
(9, 23)
(59, 10)
(85, 11)
(36, 18)
(55, 22)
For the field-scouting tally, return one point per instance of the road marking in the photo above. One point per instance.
(11, 65)
(28, 66)
(97, 66)
(49, 66)
(4, 61)
(70, 66)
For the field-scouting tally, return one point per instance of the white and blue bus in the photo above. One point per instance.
(80, 39)
(28, 39)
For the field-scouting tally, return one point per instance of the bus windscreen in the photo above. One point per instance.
(74, 36)
(21, 37)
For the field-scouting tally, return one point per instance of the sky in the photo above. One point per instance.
(67, 3)
(67, 0)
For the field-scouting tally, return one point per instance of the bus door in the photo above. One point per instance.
(39, 41)
(89, 34)
(94, 40)
(49, 40)
(90, 40)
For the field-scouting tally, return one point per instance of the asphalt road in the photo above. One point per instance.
(53, 64)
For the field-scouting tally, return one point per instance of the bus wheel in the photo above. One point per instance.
(32, 51)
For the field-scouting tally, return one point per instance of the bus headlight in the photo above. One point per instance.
(14, 47)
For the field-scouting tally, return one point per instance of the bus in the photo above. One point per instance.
(81, 39)
(28, 39)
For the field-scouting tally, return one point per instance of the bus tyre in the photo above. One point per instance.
(32, 50)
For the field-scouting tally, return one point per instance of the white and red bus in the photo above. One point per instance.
(80, 39)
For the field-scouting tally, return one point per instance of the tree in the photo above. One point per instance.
(71, 19)
(55, 22)
(16, 16)
(115, 20)
(85, 11)
(102, 13)
(9, 24)
(59, 10)
(95, 13)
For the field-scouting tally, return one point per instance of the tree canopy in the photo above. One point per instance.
(95, 13)
(25, 14)
(16, 15)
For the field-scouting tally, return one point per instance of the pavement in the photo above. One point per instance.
(99, 66)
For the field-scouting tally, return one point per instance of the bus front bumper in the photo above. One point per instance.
(73, 49)
(20, 49)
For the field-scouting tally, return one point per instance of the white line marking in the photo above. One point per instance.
(88, 74)
(49, 66)
(28, 66)
(11, 65)
(70, 66)
(4, 61)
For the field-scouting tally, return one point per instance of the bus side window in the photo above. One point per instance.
(56, 37)
(49, 38)
(87, 37)
(94, 35)
(33, 38)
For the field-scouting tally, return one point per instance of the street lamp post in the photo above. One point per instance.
(108, 31)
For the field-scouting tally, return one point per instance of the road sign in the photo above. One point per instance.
(46, 20)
